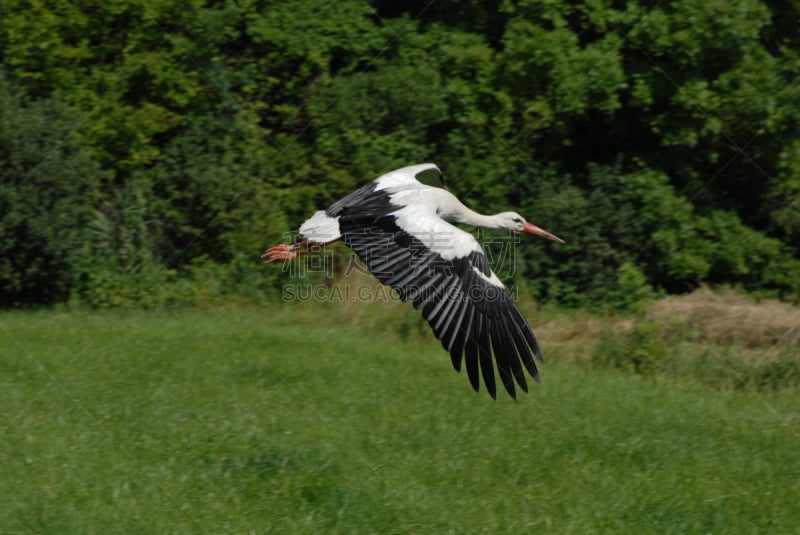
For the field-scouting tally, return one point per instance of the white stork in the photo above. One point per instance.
(399, 228)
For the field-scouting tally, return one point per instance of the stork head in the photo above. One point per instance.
(514, 221)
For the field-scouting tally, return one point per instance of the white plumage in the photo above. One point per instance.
(400, 228)
(320, 228)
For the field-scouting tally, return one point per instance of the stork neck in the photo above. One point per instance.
(470, 217)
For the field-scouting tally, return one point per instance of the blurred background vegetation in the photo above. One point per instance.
(149, 151)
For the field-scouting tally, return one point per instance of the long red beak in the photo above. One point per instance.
(530, 228)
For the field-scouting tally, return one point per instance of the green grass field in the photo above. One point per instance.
(251, 421)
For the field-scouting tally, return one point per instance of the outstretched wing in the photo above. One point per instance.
(373, 198)
(443, 271)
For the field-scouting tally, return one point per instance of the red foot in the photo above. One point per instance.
(284, 251)
(288, 251)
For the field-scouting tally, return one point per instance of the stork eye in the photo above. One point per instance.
(517, 220)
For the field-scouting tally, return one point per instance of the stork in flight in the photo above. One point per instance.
(400, 229)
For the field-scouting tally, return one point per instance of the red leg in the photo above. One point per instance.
(290, 251)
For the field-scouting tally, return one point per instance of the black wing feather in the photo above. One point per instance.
(485, 357)
(516, 364)
(502, 357)
(471, 360)
(524, 351)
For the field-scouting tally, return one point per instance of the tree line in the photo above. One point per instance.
(151, 149)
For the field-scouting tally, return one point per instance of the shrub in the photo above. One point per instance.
(47, 184)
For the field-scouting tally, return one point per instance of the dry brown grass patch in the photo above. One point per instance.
(726, 317)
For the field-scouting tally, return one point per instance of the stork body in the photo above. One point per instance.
(401, 230)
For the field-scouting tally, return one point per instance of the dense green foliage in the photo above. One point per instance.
(229, 421)
(661, 140)
(46, 197)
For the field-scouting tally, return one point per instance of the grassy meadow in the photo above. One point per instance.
(287, 420)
